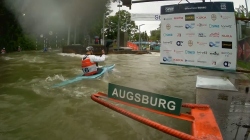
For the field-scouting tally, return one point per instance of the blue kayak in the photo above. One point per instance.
(80, 77)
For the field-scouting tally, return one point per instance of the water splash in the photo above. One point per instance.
(73, 55)
(33, 60)
(7, 58)
(153, 54)
(55, 77)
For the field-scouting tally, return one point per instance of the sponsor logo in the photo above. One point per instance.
(189, 60)
(169, 9)
(214, 63)
(202, 7)
(167, 59)
(178, 26)
(201, 52)
(179, 43)
(190, 26)
(201, 43)
(201, 17)
(167, 18)
(168, 26)
(226, 26)
(165, 34)
(201, 25)
(228, 36)
(178, 52)
(167, 50)
(223, 6)
(226, 45)
(190, 43)
(214, 34)
(214, 44)
(189, 52)
(178, 34)
(199, 7)
(190, 34)
(189, 17)
(178, 17)
(214, 26)
(201, 35)
(164, 42)
(178, 60)
(201, 61)
(213, 17)
(227, 64)
(227, 54)
(225, 17)
(214, 53)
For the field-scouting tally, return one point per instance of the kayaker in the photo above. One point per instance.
(3, 51)
(45, 49)
(19, 49)
(89, 62)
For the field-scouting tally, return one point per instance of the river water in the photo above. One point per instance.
(31, 109)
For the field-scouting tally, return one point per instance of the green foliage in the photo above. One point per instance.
(96, 26)
(126, 25)
(242, 14)
(156, 34)
(144, 36)
(243, 64)
(11, 35)
(87, 19)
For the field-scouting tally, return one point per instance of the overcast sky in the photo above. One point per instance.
(154, 7)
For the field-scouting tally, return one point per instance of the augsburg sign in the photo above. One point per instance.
(145, 99)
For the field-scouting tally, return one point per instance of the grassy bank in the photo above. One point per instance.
(243, 65)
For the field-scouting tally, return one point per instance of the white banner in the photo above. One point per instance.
(145, 17)
(204, 39)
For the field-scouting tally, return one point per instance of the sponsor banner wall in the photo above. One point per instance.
(199, 34)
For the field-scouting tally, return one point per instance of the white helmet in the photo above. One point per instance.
(89, 48)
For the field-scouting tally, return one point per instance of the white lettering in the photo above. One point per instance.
(115, 92)
(144, 99)
(171, 107)
(162, 102)
(120, 93)
(131, 96)
(137, 97)
(153, 104)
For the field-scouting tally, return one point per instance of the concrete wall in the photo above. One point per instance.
(80, 49)
(228, 107)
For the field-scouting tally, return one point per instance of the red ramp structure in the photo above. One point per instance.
(132, 46)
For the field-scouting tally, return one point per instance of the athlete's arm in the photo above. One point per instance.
(94, 58)
(101, 58)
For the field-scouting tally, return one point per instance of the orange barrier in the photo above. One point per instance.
(132, 45)
(204, 126)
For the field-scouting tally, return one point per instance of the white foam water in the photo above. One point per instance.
(73, 55)
(55, 77)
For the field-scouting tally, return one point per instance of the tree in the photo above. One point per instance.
(44, 16)
(155, 34)
(11, 33)
(241, 12)
(144, 36)
(126, 25)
